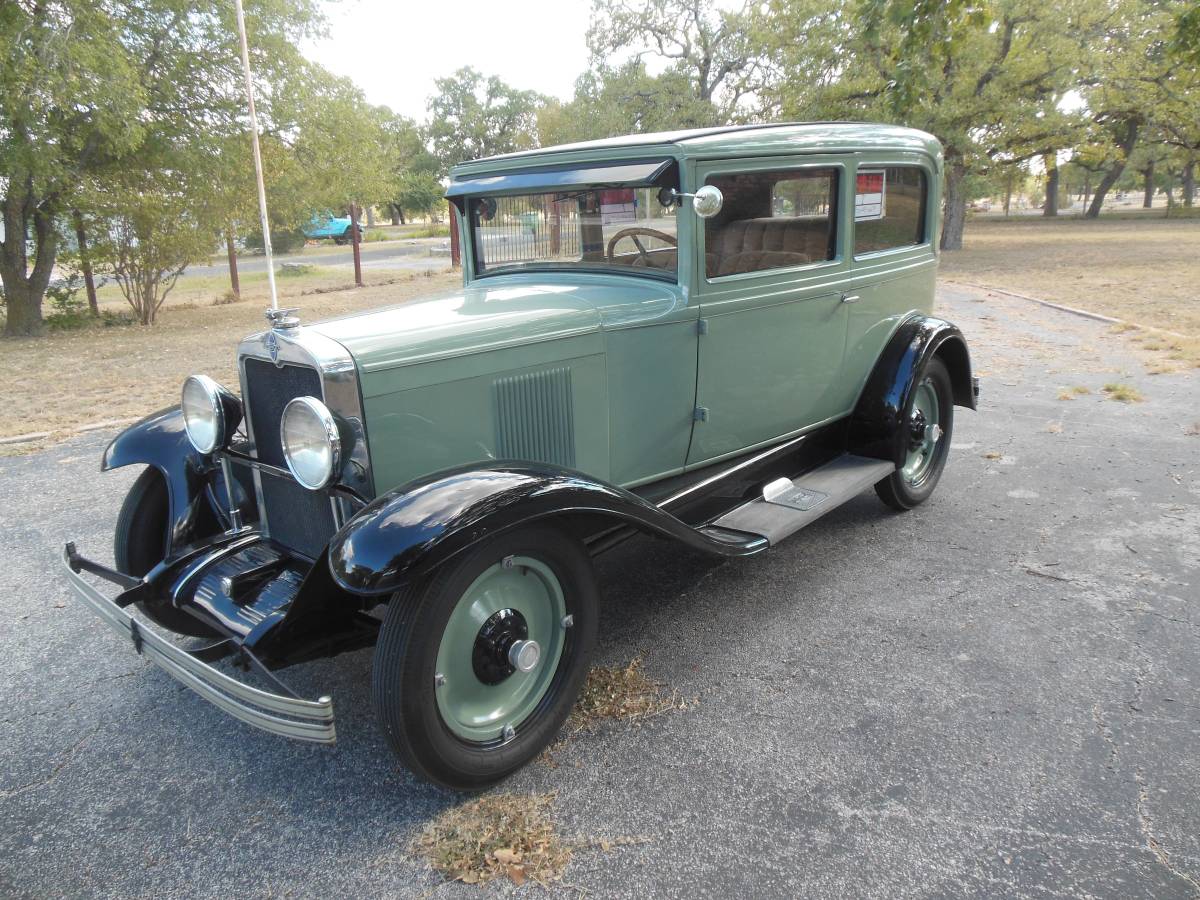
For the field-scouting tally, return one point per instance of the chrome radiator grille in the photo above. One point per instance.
(296, 517)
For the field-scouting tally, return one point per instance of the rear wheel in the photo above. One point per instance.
(478, 665)
(140, 543)
(927, 423)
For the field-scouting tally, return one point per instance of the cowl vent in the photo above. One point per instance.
(534, 417)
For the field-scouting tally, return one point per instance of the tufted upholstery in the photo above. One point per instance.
(751, 245)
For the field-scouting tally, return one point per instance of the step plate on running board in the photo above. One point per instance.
(787, 505)
(784, 492)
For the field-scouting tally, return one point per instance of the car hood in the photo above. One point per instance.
(469, 320)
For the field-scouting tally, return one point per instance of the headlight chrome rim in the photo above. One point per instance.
(324, 419)
(213, 395)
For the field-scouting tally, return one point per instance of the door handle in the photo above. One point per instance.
(850, 298)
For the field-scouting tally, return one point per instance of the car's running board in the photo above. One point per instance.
(787, 505)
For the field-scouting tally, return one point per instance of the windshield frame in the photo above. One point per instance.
(667, 176)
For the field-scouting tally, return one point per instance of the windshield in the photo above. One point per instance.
(623, 229)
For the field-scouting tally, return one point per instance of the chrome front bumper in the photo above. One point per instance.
(305, 720)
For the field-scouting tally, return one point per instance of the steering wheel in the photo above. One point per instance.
(632, 233)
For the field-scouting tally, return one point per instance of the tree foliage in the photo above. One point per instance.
(473, 115)
(712, 55)
(623, 100)
(90, 89)
(986, 78)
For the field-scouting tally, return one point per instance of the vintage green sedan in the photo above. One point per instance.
(712, 336)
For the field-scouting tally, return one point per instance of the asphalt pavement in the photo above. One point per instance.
(995, 694)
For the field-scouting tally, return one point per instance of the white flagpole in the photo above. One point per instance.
(258, 170)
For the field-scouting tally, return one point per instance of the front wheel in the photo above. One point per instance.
(926, 426)
(140, 543)
(478, 665)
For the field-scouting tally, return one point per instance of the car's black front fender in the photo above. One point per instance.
(411, 530)
(159, 440)
(875, 427)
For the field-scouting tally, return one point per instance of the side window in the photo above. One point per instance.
(889, 208)
(772, 220)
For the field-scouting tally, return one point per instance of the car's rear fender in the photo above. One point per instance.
(415, 528)
(875, 426)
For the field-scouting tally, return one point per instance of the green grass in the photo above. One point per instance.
(429, 231)
(1123, 393)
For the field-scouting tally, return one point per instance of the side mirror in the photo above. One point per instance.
(706, 202)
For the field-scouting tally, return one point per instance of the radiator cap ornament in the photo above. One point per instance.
(281, 321)
(284, 318)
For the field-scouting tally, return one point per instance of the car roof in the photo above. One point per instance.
(732, 140)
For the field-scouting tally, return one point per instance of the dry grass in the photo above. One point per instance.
(498, 836)
(1142, 271)
(613, 693)
(1122, 393)
(70, 379)
(1072, 392)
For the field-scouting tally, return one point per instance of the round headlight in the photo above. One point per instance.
(204, 413)
(312, 442)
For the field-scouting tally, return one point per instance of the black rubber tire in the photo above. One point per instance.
(402, 681)
(894, 490)
(140, 542)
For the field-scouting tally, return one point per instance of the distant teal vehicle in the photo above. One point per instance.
(340, 228)
(713, 337)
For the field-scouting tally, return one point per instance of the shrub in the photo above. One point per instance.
(282, 241)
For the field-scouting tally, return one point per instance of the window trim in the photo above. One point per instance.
(772, 164)
(926, 226)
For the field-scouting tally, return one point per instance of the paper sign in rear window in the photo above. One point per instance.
(869, 195)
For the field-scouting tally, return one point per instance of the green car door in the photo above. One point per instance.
(772, 279)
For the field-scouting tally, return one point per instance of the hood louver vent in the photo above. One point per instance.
(534, 418)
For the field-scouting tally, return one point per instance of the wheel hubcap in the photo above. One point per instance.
(500, 650)
(925, 433)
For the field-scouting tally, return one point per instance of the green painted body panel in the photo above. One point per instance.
(429, 373)
(891, 284)
(605, 371)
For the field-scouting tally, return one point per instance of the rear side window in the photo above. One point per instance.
(772, 220)
(889, 208)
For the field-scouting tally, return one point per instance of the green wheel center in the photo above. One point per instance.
(926, 434)
(523, 595)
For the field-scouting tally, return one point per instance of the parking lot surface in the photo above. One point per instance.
(996, 694)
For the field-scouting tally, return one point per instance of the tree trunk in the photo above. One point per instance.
(24, 289)
(1189, 183)
(1087, 189)
(954, 217)
(85, 263)
(234, 284)
(1110, 178)
(370, 216)
(1125, 142)
(1008, 185)
(1050, 207)
(1148, 187)
(395, 210)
